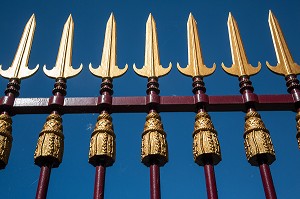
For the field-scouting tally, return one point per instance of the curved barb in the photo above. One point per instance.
(156, 71)
(108, 66)
(63, 67)
(196, 66)
(240, 64)
(286, 65)
(241, 70)
(152, 67)
(19, 67)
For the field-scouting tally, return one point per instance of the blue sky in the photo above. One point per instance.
(128, 178)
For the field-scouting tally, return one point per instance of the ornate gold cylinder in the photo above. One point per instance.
(206, 143)
(257, 140)
(50, 144)
(154, 143)
(5, 139)
(103, 143)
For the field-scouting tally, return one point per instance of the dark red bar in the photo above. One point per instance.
(99, 182)
(41, 192)
(267, 181)
(167, 104)
(210, 180)
(154, 182)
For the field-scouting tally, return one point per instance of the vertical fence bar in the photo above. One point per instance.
(44, 179)
(11, 92)
(210, 181)
(258, 144)
(50, 144)
(154, 143)
(206, 147)
(102, 152)
(99, 182)
(154, 182)
(267, 181)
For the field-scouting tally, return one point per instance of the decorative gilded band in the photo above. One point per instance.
(298, 128)
(103, 143)
(154, 143)
(206, 143)
(257, 140)
(50, 144)
(5, 139)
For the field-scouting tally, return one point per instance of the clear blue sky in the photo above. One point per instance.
(128, 178)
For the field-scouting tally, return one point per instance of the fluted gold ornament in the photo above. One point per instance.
(298, 128)
(103, 143)
(50, 144)
(257, 140)
(154, 143)
(205, 140)
(5, 139)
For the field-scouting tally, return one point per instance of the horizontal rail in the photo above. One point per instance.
(139, 104)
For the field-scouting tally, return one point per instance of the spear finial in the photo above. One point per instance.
(152, 67)
(19, 68)
(196, 66)
(108, 67)
(286, 65)
(63, 67)
(240, 66)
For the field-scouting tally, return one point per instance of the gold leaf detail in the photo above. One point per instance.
(257, 140)
(50, 144)
(103, 144)
(154, 144)
(5, 139)
(205, 140)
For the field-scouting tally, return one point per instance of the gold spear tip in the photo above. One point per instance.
(111, 17)
(230, 18)
(271, 16)
(150, 18)
(191, 16)
(32, 17)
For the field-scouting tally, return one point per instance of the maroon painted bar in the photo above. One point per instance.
(264, 157)
(210, 181)
(284, 102)
(267, 180)
(154, 182)
(99, 182)
(44, 179)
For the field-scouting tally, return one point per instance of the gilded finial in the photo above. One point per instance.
(63, 67)
(19, 68)
(196, 66)
(240, 66)
(286, 65)
(108, 67)
(152, 67)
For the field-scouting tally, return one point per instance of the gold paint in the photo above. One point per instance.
(196, 66)
(154, 143)
(152, 67)
(240, 66)
(205, 140)
(63, 67)
(5, 137)
(50, 144)
(103, 143)
(257, 140)
(108, 67)
(19, 67)
(298, 128)
(286, 65)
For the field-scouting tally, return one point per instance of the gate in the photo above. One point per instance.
(154, 146)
